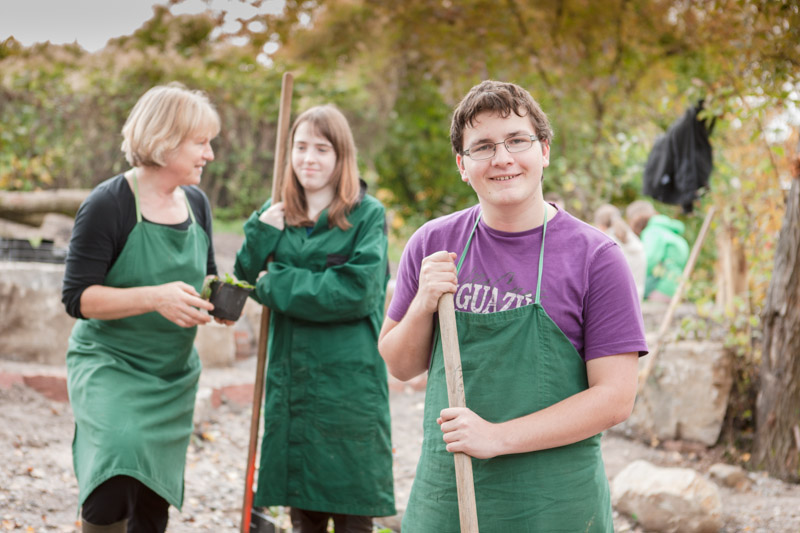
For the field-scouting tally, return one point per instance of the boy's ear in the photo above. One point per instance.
(545, 153)
(461, 169)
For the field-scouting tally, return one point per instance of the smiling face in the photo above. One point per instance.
(508, 182)
(313, 160)
(186, 162)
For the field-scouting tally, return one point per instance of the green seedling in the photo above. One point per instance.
(205, 292)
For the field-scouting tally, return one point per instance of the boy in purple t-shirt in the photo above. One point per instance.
(549, 328)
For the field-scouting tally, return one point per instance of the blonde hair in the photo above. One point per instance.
(608, 217)
(330, 123)
(164, 117)
(604, 216)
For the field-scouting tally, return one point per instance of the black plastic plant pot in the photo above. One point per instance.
(228, 300)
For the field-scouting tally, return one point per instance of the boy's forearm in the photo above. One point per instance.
(572, 420)
(406, 345)
(598, 408)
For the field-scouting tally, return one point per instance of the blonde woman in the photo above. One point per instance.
(608, 219)
(139, 252)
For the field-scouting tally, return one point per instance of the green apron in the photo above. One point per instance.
(514, 362)
(132, 382)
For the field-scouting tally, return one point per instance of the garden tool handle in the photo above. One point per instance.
(284, 111)
(644, 374)
(467, 509)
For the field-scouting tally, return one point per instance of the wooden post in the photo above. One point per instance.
(284, 112)
(467, 509)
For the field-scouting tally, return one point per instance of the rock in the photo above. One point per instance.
(667, 500)
(202, 405)
(55, 227)
(730, 476)
(251, 315)
(33, 323)
(686, 396)
(216, 345)
(58, 228)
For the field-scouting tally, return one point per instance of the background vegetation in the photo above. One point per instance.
(611, 75)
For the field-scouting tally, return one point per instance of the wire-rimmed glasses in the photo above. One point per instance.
(514, 144)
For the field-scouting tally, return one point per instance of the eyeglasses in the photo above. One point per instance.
(517, 143)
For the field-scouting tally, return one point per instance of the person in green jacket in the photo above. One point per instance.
(666, 249)
(326, 450)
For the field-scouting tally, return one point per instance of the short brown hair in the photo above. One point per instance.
(639, 214)
(502, 99)
(162, 118)
(605, 214)
(330, 123)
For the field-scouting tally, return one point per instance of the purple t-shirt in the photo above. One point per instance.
(587, 287)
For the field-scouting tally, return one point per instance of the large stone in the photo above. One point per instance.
(730, 476)
(216, 344)
(251, 319)
(667, 500)
(34, 326)
(686, 395)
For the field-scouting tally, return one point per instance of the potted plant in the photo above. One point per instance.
(227, 294)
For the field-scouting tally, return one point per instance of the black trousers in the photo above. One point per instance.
(317, 522)
(124, 497)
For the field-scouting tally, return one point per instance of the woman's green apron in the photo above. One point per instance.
(514, 362)
(132, 382)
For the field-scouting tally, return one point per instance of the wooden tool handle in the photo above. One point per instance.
(467, 509)
(673, 304)
(284, 111)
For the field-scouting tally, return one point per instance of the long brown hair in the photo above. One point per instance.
(330, 123)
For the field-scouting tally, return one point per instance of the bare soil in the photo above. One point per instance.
(38, 491)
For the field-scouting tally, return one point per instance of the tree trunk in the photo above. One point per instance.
(778, 403)
(30, 207)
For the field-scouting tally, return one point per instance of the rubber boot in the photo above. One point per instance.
(116, 527)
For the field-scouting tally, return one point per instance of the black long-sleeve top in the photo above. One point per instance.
(102, 225)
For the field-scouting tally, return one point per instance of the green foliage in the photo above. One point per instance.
(62, 110)
(416, 162)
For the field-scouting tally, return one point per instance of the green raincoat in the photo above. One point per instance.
(667, 253)
(327, 433)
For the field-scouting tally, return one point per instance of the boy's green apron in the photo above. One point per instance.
(132, 382)
(514, 362)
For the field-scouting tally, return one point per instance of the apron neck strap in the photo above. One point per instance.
(541, 259)
(138, 209)
(541, 253)
(189, 207)
(136, 197)
(466, 247)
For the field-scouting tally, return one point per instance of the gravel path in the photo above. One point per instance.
(38, 492)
